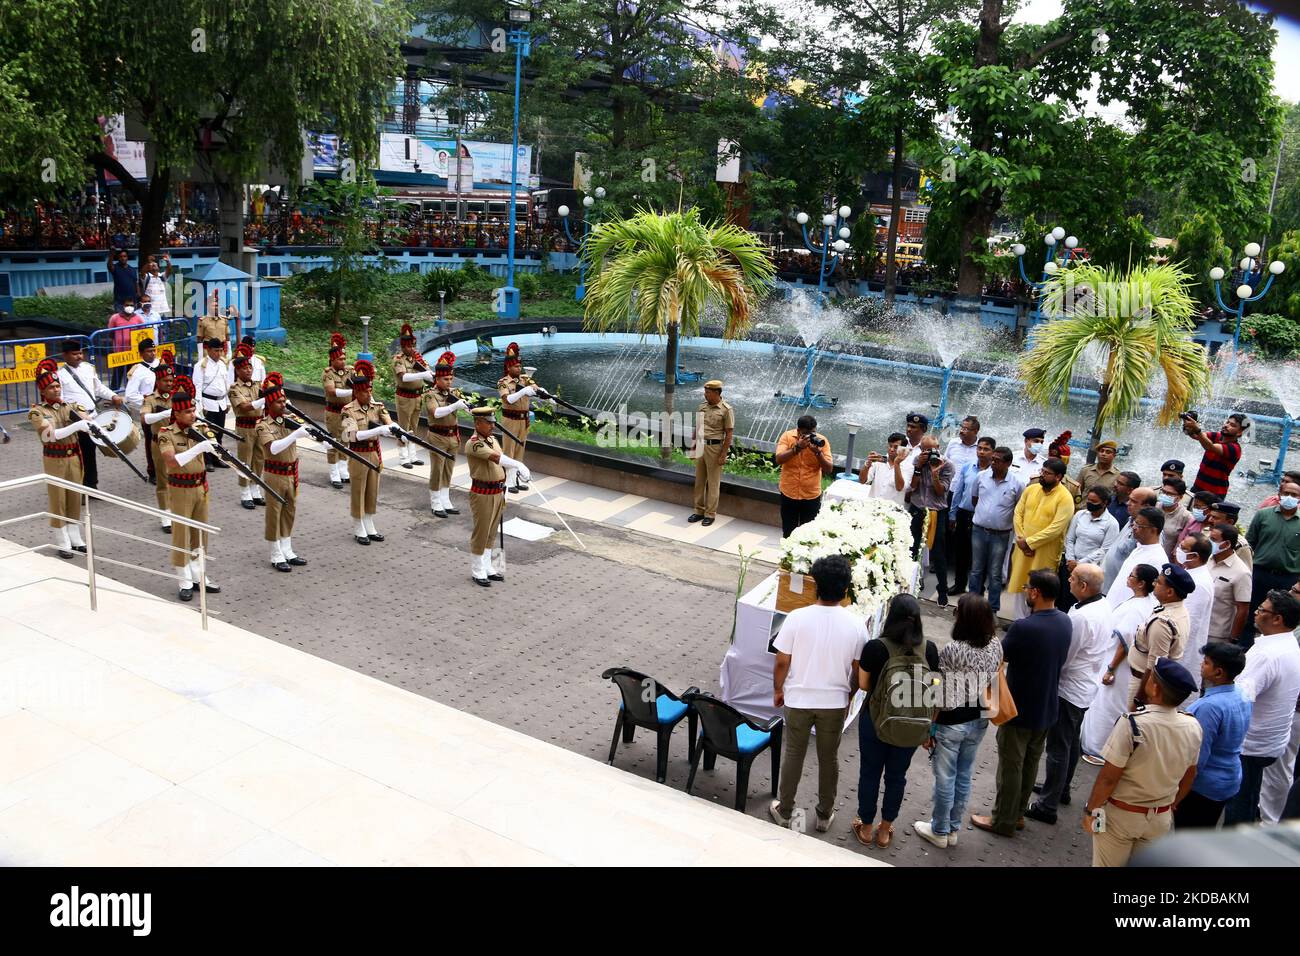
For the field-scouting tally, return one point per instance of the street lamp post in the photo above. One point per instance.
(365, 340)
(1252, 270)
(520, 15)
(854, 428)
(588, 202)
(1053, 240)
(832, 221)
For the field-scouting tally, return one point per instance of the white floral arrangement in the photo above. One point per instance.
(874, 535)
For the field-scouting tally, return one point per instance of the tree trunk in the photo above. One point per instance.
(230, 202)
(670, 386)
(151, 215)
(974, 230)
(979, 213)
(891, 242)
(1095, 437)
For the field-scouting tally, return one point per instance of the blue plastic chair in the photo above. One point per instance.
(726, 732)
(649, 704)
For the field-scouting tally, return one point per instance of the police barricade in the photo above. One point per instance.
(112, 361)
(18, 360)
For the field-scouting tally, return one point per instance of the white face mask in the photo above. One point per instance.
(129, 310)
(1288, 502)
(1165, 501)
(1220, 547)
(1181, 554)
(1198, 514)
(1036, 449)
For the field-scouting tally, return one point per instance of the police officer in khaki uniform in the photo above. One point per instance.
(441, 404)
(1166, 631)
(363, 422)
(279, 443)
(715, 425)
(337, 394)
(410, 372)
(516, 391)
(247, 402)
(1151, 758)
(187, 487)
(488, 467)
(58, 428)
(213, 325)
(154, 413)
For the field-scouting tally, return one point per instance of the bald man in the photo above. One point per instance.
(1091, 641)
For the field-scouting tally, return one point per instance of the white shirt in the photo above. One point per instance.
(823, 644)
(139, 383)
(1024, 469)
(156, 289)
(880, 479)
(1131, 615)
(1272, 680)
(82, 386)
(259, 371)
(961, 455)
(212, 380)
(1199, 604)
(1092, 643)
(1152, 554)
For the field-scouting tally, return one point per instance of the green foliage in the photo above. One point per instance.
(90, 313)
(1284, 295)
(446, 281)
(1199, 247)
(1276, 336)
(350, 278)
(1121, 243)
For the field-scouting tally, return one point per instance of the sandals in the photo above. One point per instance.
(884, 835)
(863, 831)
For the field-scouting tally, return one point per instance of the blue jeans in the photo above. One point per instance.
(955, 747)
(878, 758)
(988, 558)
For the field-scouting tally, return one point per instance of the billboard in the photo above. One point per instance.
(487, 163)
(128, 152)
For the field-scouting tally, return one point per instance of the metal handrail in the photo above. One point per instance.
(87, 494)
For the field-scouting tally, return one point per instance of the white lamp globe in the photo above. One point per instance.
(600, 192)
(1245, 264)
(1018, 249)
(802, 219)
(828, 219)
(1244, 291)
(840, 245)
(563, 211)
(1049, 239)
(1252, 249)
(1051, 268)
(1216, 273)
(1059, 232)
(1277, 267)
(1071, 242)
(845, 232)
(588, 202)
(844, 212)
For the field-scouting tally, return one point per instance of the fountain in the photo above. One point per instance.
(812, 319)
(949, 339)
(1284, 379)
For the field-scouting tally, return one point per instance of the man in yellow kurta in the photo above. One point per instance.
(1043, 516)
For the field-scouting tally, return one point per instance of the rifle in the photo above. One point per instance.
(328, 438)
(194, 432)
(112, 445)
(400, 432)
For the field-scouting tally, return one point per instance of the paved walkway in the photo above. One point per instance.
(527, 654)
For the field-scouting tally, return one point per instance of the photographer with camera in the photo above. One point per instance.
(1222, 451)
(804, 456)
(889, 475)
(930, 483)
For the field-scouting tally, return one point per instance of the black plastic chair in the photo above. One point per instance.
(661, 712)
(726, 732)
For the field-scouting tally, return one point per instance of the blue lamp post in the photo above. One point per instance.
(587, 202)
(520, 15)
(1252, 270)
(1054, 241)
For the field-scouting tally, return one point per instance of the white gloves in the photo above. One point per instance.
(183, 458)
(72, 429)
(259, 403)
(442, 411)
(153, 418)
(425, 376)
(280, 444)
(508, 462)
(370, 433)
(343, 393)
(529, 390)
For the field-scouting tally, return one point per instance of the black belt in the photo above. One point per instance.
(713, 441)
(990, 530)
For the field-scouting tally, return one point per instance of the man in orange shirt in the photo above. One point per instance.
(804, 456)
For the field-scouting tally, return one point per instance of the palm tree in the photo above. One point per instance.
(1140, 320)
(655, 273)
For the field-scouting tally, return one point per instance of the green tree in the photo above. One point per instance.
(1140, 319)
(656, 272)
(1199, 247)
(1286, 207)
(349, 277)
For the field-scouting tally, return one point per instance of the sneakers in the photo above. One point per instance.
(820, 825)
(774, 811)
(926, 832)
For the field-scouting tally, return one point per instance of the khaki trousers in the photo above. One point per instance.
(708, 481)
(1127, 831)
(799, 724)
(487, 511)
(515, 426)
(187, 503)
(279, 517)
(408, 413)
(364, 486)
(61, 502)
(334, 425)
(251, 453)
(440, 468)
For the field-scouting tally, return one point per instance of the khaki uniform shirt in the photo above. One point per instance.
(273, 429)
(507, 385)
(213, 327)
(478, 452)
(45, 416)
(1091, 477)
(171, 438)
(244, 393)
(335, 379)
(715, 419)
(360, 418)
(404, 364)
(434, 398)
(1165, 634)
(153, 404)
(1232, 584)
(1155, 762)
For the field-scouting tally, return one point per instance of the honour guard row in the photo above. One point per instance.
(182, 446)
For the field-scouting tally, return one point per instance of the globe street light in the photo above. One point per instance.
(1053, 241)
(1252, 270)
(520, 14)
(588, 202)
(832, 222)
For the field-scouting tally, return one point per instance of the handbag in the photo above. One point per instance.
(996, 699)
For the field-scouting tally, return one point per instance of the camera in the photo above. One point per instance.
(816, 441)
(1189, 416)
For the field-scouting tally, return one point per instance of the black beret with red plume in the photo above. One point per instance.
(272, 385)
(337, 344)
(183, 392)
(408, 334)
(446, 363)
(47, 371)
(1060, 448)
(243, 355)
(513, 355)
(363, 373)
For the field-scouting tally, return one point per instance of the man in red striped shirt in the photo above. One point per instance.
(1222, 452)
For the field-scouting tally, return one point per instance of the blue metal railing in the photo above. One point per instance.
(18, 358)
(176, 334)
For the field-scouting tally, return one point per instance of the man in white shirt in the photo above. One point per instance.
(889, 476)
(962, 449)
(140, 379)
(82, 387)
(259, 367)
(1195, 558)
(1091, 641)
(1272, 681)
(1147, 525)
(212, 379)
(1029, 460)
(815, 675)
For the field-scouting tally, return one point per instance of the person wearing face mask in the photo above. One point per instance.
(1170, 500)
(1274, 536)
(1229, 512)
(1029, 460)
(1231, 585)
(1092, 532)
(1202, 504)
(122, 322)
(1146, 526)
(1194, 557)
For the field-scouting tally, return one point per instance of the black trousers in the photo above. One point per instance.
(89, 460)
(797, 511)
(1262, 580)
(1244, 807)
(217, 418)
(1063, 750)
(938, 556)
(959, 545)
(1197, 811)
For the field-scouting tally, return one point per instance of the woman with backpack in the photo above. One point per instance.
(898, 672)
(967, 665)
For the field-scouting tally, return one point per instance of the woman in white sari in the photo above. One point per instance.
(1108, 705)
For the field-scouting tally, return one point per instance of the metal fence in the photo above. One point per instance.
(105, 347)
(18, 360)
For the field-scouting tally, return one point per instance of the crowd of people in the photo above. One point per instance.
(1150, 630)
